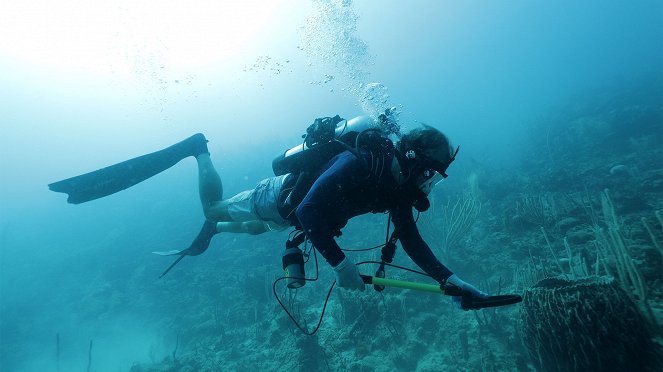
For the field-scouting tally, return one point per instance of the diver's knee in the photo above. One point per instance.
(217, 211)
(211, 214)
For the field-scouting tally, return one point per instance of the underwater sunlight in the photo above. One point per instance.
(331, 185)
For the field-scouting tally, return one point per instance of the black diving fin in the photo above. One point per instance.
(117, 177)
(198, 246)
(171, 265)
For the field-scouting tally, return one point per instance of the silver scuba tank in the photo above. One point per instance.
(309, 155)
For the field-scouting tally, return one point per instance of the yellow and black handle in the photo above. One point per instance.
(468, 301)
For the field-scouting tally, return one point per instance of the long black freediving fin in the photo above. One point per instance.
(117, 177)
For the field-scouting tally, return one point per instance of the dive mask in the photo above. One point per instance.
(428, 179)
(434, 172)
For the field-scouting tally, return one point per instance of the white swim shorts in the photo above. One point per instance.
(260, 204)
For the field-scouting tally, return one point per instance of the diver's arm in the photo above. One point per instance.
(319, 210)
(421, 254)
(415, 246)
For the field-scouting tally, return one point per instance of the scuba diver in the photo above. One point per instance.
(344, 168)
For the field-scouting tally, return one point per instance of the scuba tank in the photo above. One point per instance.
(325, 138)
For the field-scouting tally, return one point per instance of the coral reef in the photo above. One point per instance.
(583, 207)
(582, 204)
(585, 324)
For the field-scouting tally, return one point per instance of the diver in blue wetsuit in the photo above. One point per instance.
(343, 190)
(346, 186)
(392, 178)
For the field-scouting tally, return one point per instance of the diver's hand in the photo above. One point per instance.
(347, 275)
(455, 280)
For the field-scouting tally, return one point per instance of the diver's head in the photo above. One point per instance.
(427, 154)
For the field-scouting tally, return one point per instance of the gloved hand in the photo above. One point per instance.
(455, 280)
(347, 275)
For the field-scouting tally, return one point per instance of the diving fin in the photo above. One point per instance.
(198, 246)
(170, 253)
(117, 177)
(172, 265)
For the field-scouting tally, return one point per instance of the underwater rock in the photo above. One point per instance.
(619, 170)
(588, 324)
(652, 182)
(579, 236)
(567, 223)
(434, 362)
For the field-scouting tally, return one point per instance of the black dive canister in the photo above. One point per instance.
(293, 265)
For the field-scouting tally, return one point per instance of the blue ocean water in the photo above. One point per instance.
(552, 103)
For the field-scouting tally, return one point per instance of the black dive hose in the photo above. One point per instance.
(387, 257)
(329, 292)
(468, 301)
(305, 331)
(379, 282)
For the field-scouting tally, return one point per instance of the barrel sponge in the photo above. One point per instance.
(588, 324)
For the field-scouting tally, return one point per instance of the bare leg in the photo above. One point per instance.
(214, 207)
(211, 190)
(248, 227)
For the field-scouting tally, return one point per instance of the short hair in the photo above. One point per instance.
(424, 139)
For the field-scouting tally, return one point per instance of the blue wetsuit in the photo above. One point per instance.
(342, 190)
